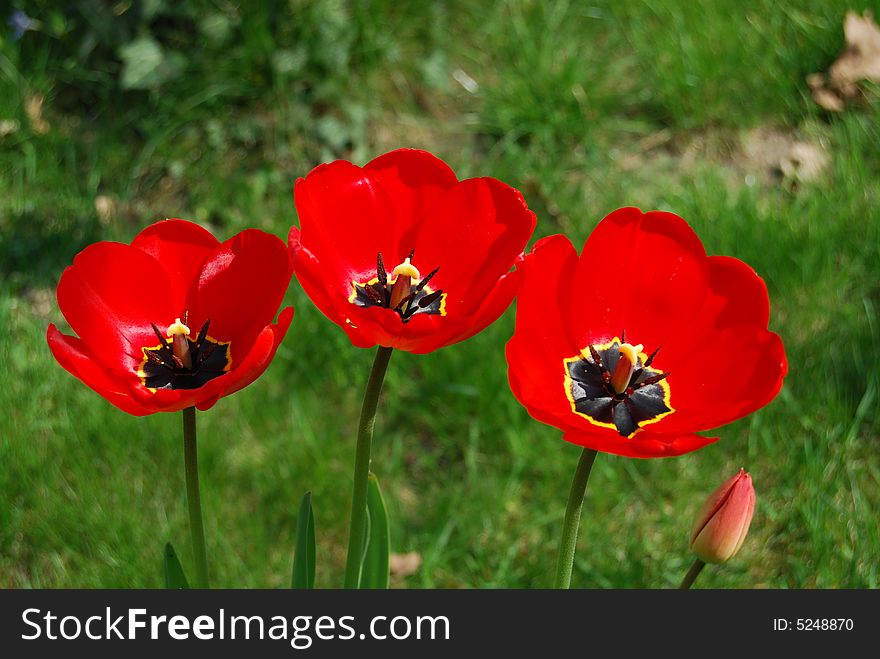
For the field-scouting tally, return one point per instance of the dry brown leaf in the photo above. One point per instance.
(773, 151)
(33, 107)
(860, 61)
(403, 565)
(105, 207)
(804, 162)
(828, 100)
(41, 301)
(764, 148)
(8, 126)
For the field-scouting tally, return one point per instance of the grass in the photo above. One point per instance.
(585, 109)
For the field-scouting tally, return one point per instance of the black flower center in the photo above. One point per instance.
(613, 385)
(404, 291)
(180, 362)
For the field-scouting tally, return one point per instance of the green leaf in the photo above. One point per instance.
(175, 579)
(304, 553)
(374, 572)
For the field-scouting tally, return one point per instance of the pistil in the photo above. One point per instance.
(626, 366)
(179, 344)
(404, 277)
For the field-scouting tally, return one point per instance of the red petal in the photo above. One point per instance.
(474, 233)
(309, 274)
(643, 445)
(493, 306)
(413, 180)
(110, 295)
(539, 346)
(713, 503)
(76, 358)
(346, 218)
(730, 374)
(723, 533)
(258, 359)
(376, 325)
(174, 400)
(737, 296)
(643, 273)
(180, 247)
(240, 288)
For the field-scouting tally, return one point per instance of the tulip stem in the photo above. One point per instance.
(193, 498)
(692, 574)
(572, 521)
(358, 528)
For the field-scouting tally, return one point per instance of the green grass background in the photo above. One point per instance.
(210, 111)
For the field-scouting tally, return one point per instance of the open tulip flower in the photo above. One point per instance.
(643, 340)
(173, 322)
(402, 254)
(176, 319)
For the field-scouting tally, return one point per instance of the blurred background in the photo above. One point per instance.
(116, 114)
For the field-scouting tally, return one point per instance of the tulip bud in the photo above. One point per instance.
(723, 521)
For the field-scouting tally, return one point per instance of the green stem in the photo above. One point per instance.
(573, 518)
(357, 530)
(692, 574)
(193, 498)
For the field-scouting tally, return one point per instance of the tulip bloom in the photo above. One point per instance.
(402, 254)
(643, 340)
(723, 521)
(174, 320)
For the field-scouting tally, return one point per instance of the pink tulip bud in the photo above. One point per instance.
(723, 521)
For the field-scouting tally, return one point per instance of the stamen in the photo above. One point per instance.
(651, 357)
(381, 275)
(156, 359)
(407, 308)
(429, 299)
(654, 379)
(163, 346)
(426, 279)
(179, 343)
(196, 349)
(206, 351)
(626, 365)
(203, 333)
(375, 293)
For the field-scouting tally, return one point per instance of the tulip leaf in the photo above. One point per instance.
(374, 571)
(175, 579)
(304, 552)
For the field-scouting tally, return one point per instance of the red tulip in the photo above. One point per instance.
(174, 320)
(723, 521)
(402, 254)
(643, 340)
